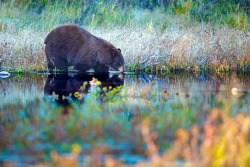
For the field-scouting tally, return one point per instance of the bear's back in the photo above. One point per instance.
(66, 41)
(66, 33)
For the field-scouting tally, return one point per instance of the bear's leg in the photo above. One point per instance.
(50, 66)
(101, 69)
(58, 64)
(82, 67)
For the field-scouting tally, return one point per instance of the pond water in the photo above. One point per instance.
(102, 117)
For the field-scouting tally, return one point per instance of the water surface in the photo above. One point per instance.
(40, 113)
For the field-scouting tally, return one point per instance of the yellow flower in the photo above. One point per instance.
(76, 148)
(77, 94)
(95, 82)
(98, 83)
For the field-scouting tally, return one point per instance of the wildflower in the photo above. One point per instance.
(76, 148)
(77, 94)
(98, 83)
(95, 82)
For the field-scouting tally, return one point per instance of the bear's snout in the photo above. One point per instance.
(121, 69)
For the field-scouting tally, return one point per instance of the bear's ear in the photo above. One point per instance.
(113, 52)
(119, 50)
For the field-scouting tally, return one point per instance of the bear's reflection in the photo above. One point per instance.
(64, 85)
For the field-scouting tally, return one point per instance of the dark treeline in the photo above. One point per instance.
(146, 4)
(234, 13)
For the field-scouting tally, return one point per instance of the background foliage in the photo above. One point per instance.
(234, 13)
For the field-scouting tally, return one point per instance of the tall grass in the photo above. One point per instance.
(221, 141)
(151, 40)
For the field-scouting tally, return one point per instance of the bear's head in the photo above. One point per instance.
(111, 57)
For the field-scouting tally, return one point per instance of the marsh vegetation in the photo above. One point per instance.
(191, 35)
(185, 99)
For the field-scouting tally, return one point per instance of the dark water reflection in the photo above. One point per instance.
(172, 101)
(64, 85)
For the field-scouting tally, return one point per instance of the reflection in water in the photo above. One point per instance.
(29, 124)
(64, 85)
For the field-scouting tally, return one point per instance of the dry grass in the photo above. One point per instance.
(192, 47)
(22, 49)
(224, 142)
(221, 141)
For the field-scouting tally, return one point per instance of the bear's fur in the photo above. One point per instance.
(71, 45)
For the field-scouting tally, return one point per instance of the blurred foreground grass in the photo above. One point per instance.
(167, 120)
